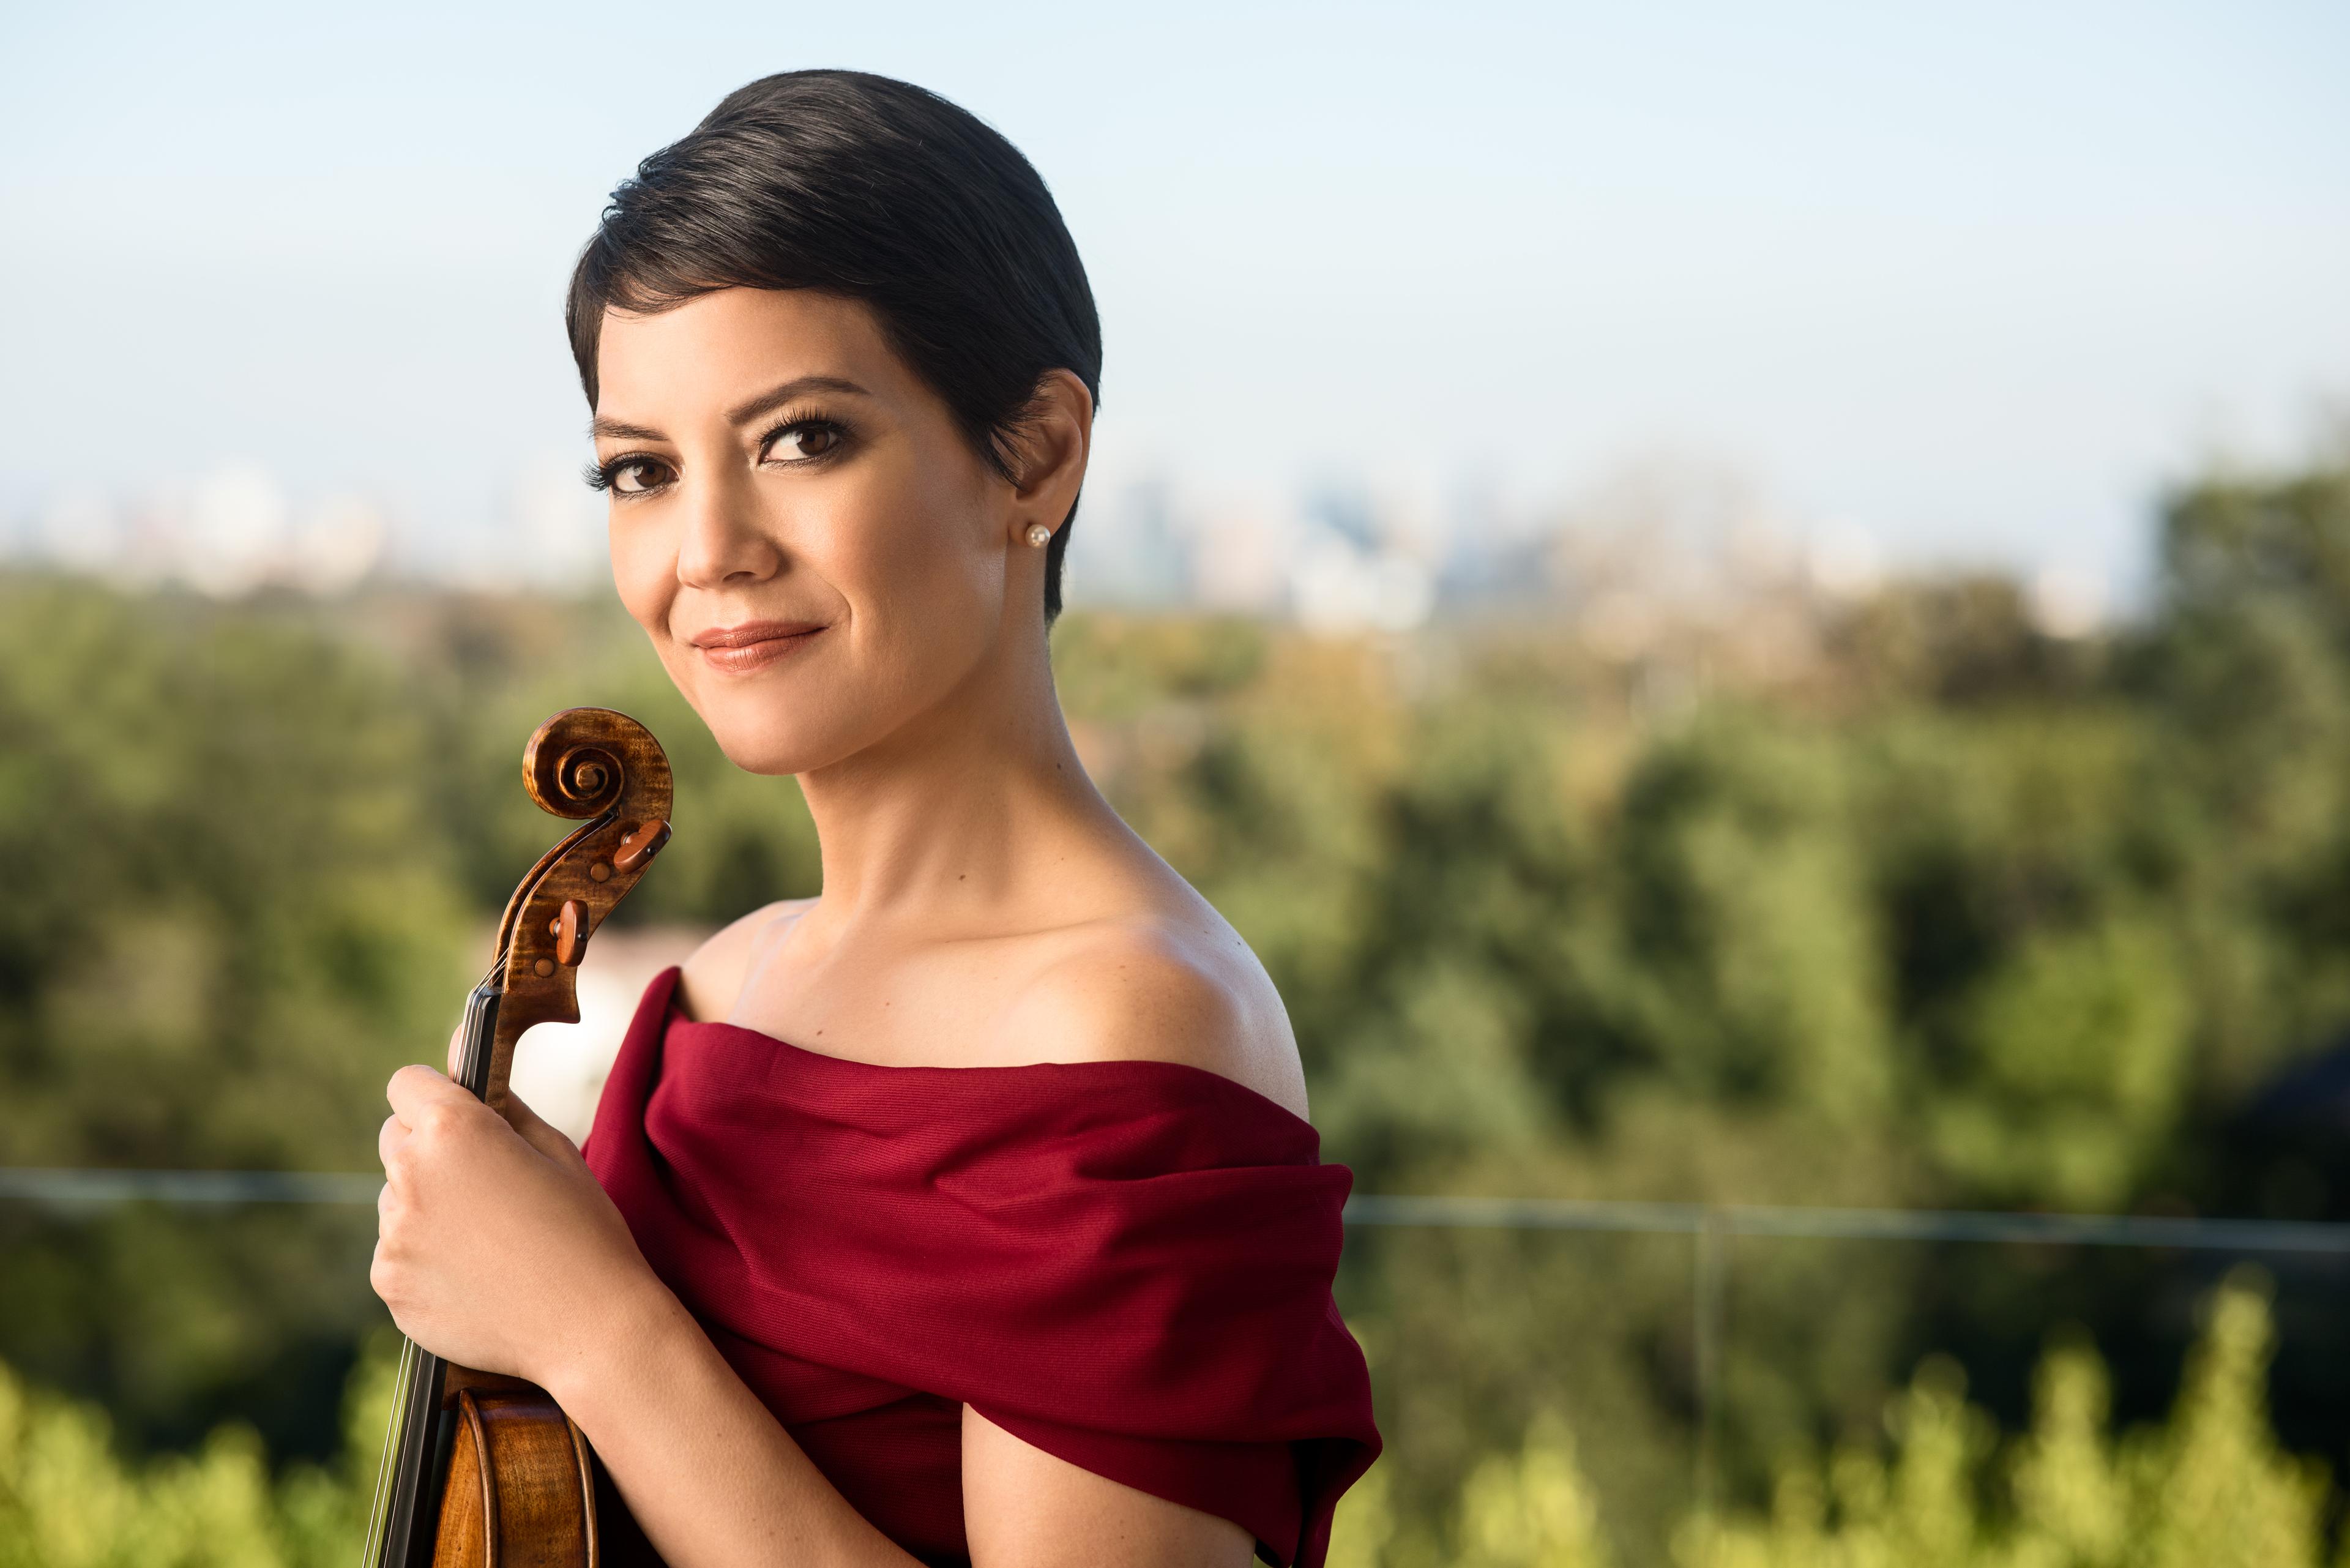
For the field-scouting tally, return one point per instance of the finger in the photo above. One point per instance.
(456, 1038)
(538, 1131)
(394, 1133)
(379, 1276)
(415, 1086)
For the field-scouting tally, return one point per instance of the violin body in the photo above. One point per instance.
(479, 1470)
(521, 1492)
(524, 1488)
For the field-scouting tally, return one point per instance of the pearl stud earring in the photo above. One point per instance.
(1039, 535)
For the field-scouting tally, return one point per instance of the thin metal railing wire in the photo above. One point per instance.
(70, 1187)
(2241, 1236)
(1710, 1227)
(78, 1189)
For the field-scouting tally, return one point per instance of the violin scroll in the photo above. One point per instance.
(569, 775)
(605, 767)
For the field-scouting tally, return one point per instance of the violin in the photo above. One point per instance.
(480, 1470)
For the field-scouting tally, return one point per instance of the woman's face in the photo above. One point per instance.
(816, 551)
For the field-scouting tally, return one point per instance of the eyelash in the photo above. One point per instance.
(602, 475)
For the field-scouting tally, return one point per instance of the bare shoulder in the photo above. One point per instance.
(1159, 988)
(712, 978)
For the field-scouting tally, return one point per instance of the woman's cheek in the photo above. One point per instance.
(644, 573)
(933, 588)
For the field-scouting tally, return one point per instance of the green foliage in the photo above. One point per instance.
(68, 1501)
(1531, 1508)
(2213, 1489)
(1962, 914)
(2209, 1488)
(227, 917)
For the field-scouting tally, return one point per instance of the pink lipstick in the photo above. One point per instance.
(754, 644)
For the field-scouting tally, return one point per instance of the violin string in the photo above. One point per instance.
(379, 1516)
(469, 1056)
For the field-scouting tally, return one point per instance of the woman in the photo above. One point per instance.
(966, 1211)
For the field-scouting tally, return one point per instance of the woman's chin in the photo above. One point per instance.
(763, 751)
(768, 726)
(775, 738)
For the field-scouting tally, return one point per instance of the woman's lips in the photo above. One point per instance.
(739, 649)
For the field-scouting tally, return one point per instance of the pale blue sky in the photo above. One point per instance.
(1973, 277)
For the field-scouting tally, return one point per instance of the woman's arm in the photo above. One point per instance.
(710, 1476)
(1024, 1508)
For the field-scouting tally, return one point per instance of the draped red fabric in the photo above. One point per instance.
(1125, 1263)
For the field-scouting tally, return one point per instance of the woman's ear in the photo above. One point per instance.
(1049, 453)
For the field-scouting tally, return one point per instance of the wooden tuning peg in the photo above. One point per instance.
(643, 843)
(569, 929)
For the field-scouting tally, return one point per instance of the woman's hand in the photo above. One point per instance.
(495, 1246)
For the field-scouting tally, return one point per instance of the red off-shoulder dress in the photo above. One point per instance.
(1125, 1263)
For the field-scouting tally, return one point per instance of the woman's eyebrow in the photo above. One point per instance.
(620, 430)
(743, 413)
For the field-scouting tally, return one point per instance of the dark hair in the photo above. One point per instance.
(877, 191)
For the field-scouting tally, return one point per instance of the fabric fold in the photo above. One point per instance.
(1127, 1264)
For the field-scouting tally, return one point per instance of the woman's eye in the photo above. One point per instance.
(635, 476)
(798, 443)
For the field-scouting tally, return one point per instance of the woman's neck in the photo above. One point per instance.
(955, 810)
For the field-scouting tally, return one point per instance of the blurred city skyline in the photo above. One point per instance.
(1388, 304)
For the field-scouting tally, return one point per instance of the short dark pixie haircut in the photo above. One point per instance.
(877, 191)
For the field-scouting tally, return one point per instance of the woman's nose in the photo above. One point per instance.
(724, 541)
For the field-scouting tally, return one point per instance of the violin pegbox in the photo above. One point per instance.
(605, 767)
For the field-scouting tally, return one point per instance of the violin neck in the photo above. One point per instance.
(401, 1527)
(477, 1041)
